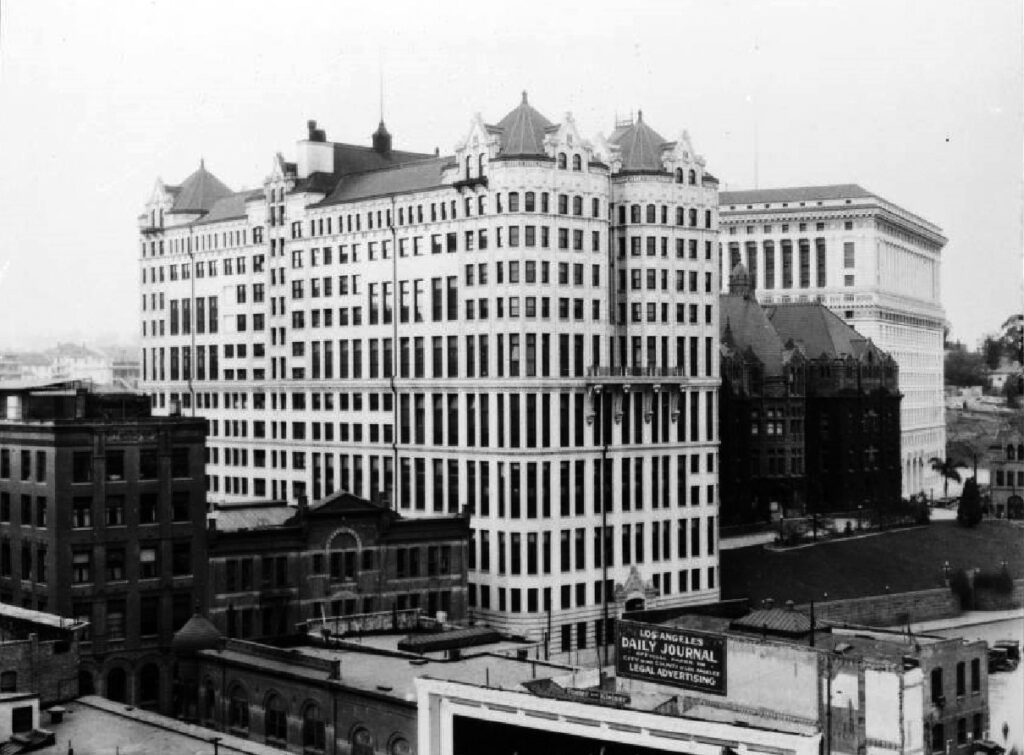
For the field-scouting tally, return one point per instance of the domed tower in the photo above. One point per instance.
(382, 139)
(196, 635)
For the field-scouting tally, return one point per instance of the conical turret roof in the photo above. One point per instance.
(197, 634)
(199, 191)
(639, 145)
(522, 130)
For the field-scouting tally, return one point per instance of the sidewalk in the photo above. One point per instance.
(967, 619)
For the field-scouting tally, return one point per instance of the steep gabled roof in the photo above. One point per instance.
(346, 503)
(793, 194)
(522, 130)
(199, 192)
(745, 326)
(639, 145)
(818, 330)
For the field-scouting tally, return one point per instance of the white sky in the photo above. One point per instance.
(919, 102)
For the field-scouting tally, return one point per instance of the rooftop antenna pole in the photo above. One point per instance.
(380, 76)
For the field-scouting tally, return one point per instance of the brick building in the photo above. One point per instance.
(102, 518)
(1006, 474)
(39, 653)
(274, 566)
(810, 412)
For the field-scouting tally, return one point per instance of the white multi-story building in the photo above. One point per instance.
(527, 329)
(874, 264)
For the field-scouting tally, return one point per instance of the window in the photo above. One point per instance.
(115, 465)
(147, 563)
(181, 559)
(314, 735)
(81, 567)
(115, 510)
(81, 512)
(276, 720)
(238, 710)
(115, 564)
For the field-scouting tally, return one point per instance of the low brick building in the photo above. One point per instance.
(39, 653)
(274, 566)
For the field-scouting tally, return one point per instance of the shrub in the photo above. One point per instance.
(960, 584)
(1000, 581)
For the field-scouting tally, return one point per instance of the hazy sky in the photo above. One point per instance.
(920, 102)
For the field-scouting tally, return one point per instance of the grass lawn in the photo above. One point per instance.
(903, 560)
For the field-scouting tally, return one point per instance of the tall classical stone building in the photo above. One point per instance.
(871, 262)
(527, 327)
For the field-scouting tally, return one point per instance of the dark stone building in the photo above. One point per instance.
(103, 518)
(809, 414)
(274, 566)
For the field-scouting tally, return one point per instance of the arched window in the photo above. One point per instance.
(1009, 453)
(238, 710)
(314, 735)
(342, 561)
(634, 213)
(362, 742)
(577, 162)
(480, 165)
(117, 685)
(680, 216)
(399, 746)
(469, 166)
(275, 719)
(209, 702)
(652, 214)
(693, 218)
(693, 177)
(531, 201)
(679, 175)
(561, 161)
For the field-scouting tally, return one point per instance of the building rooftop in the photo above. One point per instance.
(42, 618)
(199, 192)
(818, 331)
(379, 668)
(94, 725)
(792, 194)
(522, 131)
(639, 145)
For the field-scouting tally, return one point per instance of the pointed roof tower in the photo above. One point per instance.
(522, 130)
(639, 145)
(740, 283)
(199, 192)
(382, 139)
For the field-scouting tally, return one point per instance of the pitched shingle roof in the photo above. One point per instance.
(199, 191)
(818, 330)
(639, 145)
(231, 207)
(793, 194)
(522, 130)
(774, 621)
(414, 176)
(749, 328)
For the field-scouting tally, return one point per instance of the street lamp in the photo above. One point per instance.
(216, 744)
(945, 572)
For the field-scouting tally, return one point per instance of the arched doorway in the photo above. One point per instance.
(86, 686)
(634, 604)
(149, 686)
(117, 685)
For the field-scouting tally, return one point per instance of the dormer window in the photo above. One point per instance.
(469, 166)
(480, 165)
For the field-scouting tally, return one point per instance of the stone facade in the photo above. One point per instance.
(520, 329)
(874, 264)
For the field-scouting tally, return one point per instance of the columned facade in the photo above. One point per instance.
(874, 264)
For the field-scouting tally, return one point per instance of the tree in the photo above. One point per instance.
(968, 514)
(965, 368)
(1012, 390)
(992, 349)
(948, 469)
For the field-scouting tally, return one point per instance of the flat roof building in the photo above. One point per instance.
(102, 519)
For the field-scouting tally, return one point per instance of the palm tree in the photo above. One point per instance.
(948, 469)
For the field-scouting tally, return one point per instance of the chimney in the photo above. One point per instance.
(769, 603)
(335, 669)
(790, 605)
